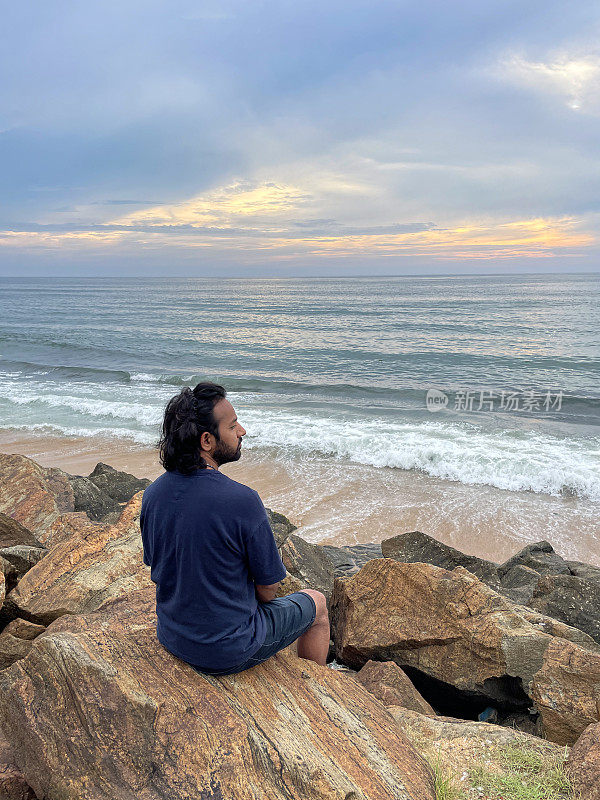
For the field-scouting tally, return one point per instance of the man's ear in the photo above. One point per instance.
(206, 441)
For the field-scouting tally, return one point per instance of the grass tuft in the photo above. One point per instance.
(445, 788)
(525, 774)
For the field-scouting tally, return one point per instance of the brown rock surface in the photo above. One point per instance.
(10, 573)
(289, 585)
(15, 641)
(392, 686)
(23, 629)
(583, 765)
(22, 557)
(32, 495)
(460, 745)
(435, 729)
(84, 570)
(12, 782)
(12, 532)
(451, 627)
(99, 709)
(75, 522)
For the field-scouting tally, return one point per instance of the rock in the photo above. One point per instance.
(519, 583)
(99, 709)
(349, 559)
(66, 525)
(459, 745)
(89, 498)
(10, 572)
(13, 533)
(451, 628)
(280, 525)
(575, 601)
(540, 557)
(289, 585)
(416, 546)
(22, 557)
(2, 588)
(120, 486)
(81, 572)
(12, 649)
(554, 627)
(12, 782)
(23, 629)
(436, 729)
(392, 686)
(583, 764)
(15, 641)
(308, 563)
(32, 495)
(582, 570)
(19, 548)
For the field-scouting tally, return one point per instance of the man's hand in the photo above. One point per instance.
(266, 593)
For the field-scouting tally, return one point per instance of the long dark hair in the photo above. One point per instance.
(187, 416)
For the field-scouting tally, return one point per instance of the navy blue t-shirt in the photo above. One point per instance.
(207, 540)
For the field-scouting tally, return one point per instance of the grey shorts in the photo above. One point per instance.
(286, 618)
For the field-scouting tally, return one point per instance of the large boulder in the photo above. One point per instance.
(84, 570)
(392, 686)
(99, 709)
(583, 764)
(451, 628)
(417, 546)
(33, 495)
(536, 576)
(120, 486)
(308, 563)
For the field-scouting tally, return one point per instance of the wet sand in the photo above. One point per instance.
(345, 503)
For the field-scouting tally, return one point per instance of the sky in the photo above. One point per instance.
(299, 138)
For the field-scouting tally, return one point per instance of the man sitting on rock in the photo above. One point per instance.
(212, 553)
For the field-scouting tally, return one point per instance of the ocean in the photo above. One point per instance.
(441, 383)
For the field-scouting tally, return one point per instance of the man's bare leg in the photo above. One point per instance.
(314, 644)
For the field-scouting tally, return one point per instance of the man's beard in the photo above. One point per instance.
(224, 454)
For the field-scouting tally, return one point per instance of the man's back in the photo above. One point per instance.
(208, 541)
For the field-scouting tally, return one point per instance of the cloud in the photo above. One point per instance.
(576, 79)
(300, 130)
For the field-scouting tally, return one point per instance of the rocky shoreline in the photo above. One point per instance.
(431, 647)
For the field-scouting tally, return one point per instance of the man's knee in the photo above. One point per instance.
(321, 604)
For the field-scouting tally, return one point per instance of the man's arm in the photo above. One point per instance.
(266, 593)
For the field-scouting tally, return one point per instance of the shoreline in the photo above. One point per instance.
(339, 503)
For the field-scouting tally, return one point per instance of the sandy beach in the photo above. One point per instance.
(348, 503)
